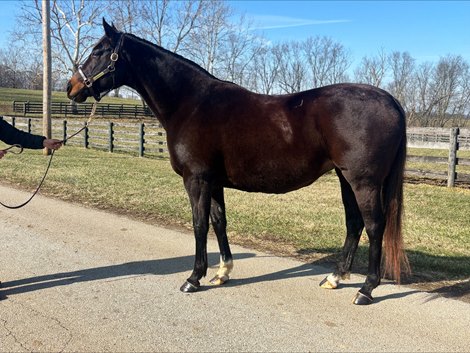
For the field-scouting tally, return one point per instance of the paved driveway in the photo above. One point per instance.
(78, 279)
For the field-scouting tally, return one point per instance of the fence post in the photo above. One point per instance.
(141, 140)
(111, 137)
(65, 131)
(453, 147)
(85, 136)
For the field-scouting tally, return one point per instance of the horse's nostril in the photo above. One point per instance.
(69, 86)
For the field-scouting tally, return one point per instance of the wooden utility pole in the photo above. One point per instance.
(47, 72)
(453, 147)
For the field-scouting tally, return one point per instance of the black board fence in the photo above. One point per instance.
(141, 139)
(149, 139)
(65, 109)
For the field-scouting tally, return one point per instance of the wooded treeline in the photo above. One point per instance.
(222, 41)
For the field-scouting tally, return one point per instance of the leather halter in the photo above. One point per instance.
(110, 69)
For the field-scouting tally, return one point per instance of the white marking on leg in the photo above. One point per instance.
(333, 279)
(330, 282)
(223, 272)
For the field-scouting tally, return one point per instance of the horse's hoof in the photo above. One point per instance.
(362, 299)
(219, 280)
(188, 287)
(327, 284)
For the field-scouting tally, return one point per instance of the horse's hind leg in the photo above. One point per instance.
(219, 223)
(370, 203)
(354, 227)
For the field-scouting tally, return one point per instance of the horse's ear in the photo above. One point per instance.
(110, 31)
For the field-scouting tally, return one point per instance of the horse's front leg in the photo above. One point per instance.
(219, 223)
(199, 191)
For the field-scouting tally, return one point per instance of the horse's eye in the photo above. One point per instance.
(97, 53)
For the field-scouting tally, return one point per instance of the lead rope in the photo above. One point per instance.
(92, 114)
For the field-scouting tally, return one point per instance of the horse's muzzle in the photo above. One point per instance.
(76, 90)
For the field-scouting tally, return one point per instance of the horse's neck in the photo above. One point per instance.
(166, 82)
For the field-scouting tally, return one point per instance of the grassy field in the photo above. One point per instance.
(308, 223)
(437, 153)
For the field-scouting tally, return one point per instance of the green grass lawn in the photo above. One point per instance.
(437, 167)
(308, 223)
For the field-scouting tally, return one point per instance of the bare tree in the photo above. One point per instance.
(292, 67)
(328, 60)
(16, 72)
(450, 75)
(73, 25)
(169, 23)
(74, 30)
(372, 70)
(238, 53)
(207, 42)
(266, 70)
(462, 114)
(12, 72)
(126, 14)
(402, 67)
(421, 105)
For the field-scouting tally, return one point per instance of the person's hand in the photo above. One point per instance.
(52, 144)
(2, 153)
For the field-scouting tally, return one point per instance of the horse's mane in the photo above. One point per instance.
(172, 54)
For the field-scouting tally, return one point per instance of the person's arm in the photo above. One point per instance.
(12, 135)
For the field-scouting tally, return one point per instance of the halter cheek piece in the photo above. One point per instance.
(110, 69)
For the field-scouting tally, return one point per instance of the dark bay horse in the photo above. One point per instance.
(221, 135)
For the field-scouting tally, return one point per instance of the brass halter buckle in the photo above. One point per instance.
(114, 57)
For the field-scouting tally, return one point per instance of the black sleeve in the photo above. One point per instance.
(12, 135)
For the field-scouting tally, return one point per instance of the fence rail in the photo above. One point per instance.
(453, 140)
(66, 109)
(149, 139)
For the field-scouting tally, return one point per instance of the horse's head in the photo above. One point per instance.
(101, 71)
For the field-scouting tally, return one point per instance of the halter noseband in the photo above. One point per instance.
(89, 81)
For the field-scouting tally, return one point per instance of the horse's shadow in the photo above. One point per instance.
(156, 267)
(151, 267)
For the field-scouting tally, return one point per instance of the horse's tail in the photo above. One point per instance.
(396, 260)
